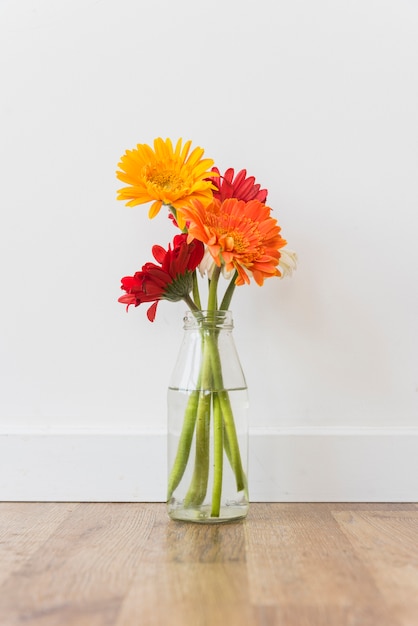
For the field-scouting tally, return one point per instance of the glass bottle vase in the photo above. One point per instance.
(207, 424)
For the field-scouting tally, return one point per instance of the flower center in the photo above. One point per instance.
(165, 181)
(234, 241)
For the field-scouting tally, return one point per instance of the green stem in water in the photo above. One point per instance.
(233, 445)
(218, 452)
(199, 483)
(185, 443)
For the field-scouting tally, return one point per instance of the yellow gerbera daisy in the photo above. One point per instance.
(165, 176)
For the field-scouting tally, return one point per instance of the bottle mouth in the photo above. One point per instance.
(208, 319)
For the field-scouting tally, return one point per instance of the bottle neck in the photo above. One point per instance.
(210, 320)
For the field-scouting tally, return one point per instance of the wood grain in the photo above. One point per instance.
(288, 564)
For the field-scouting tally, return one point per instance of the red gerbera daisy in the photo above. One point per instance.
(242, 187)
(171, 280)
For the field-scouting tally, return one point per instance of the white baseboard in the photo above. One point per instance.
(286, 465)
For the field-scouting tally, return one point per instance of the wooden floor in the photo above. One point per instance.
(286, 565)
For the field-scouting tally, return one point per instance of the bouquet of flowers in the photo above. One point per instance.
(224, 228)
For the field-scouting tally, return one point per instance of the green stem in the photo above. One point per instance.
(218, 451)
(188, 300)
(185, 443)
(226, 300)
(199, 483)
(228, 417)
(196, 294)
(233, 445)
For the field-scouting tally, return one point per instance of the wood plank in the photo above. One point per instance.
(24, 529)
(81, 574)
(301, 563)
(386, 542)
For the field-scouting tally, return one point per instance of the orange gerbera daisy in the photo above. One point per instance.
(164, 175)
(240, 235)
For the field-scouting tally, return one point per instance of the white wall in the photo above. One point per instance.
(317, 99)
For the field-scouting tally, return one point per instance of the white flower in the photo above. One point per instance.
(207, 265)
(288, 262)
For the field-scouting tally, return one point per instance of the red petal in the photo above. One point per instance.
(159, 253)
(240, 177)
(152, 311)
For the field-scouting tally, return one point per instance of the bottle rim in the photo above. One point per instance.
(208, 319)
